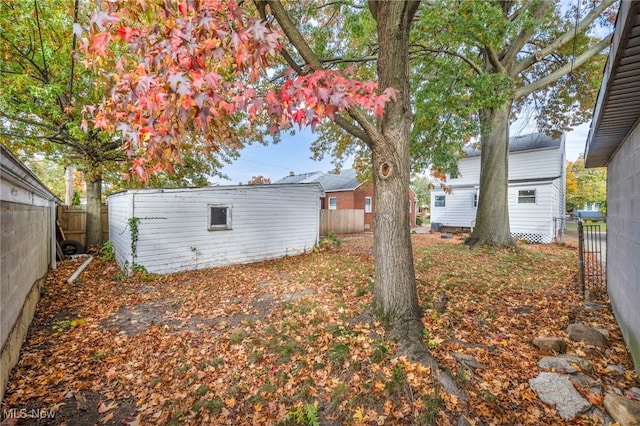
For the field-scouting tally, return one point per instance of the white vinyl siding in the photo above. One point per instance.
(268, 221)
(458, 210)
(533, 219)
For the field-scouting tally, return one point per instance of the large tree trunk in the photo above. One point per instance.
(492, 218)
(395, 298)
(94, 212)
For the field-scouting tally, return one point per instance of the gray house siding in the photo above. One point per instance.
(623, 240)
(614, 142)
(267, 221)
(27, 212)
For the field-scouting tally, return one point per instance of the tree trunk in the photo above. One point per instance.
(94, 213)
(492, 218)
(395, 298)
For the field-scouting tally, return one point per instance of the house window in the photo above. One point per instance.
(409, 206)
(527, 196)
(367, 204)
(475, 200)
(219, 217)
(439, 201)
(333, 203)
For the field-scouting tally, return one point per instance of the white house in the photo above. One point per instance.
(170, 230)
(536, 189)
(614, 142)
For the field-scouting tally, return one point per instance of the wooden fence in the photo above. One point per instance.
(73, 221)
(343, 221)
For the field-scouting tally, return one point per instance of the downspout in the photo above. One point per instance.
(52, 209)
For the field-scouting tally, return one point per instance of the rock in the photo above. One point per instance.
(636, 392)
(462, 421)
(593, 305)
(586, 382)
(623, 410)
(468, 361)
(446, 236)
(585, 365)
(602, 418)
(602, 331)
(441, 303)
(526, 309)
(581, 333)
(615, 369)
(558, 391)
(555, 344)
(556, 364)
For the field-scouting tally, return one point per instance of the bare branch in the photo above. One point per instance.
(566, 69)
(472, 64)
(540, 9)
(350, 128)
(342, 60)
(563, 39)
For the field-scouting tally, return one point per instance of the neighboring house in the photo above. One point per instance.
(28, 246)
(536, 189)
(614, 142)
(344, 191)
(170, 230)
(589, 211)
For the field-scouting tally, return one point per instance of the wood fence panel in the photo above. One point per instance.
(73, 221)
(342, 221)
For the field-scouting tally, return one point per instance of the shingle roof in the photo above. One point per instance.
(345, 181)
(525, 143)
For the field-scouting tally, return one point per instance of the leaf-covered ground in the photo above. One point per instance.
(283, 341)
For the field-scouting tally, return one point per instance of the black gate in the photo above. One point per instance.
(592, 260)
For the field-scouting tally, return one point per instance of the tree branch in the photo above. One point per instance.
(563, 39)
(492, 56)
(350, 128)
(342, 60)
(566, 69)
(540, 8)
(472, 64)
(300, 44)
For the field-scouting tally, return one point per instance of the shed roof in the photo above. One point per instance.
(345, 181)
(618, 106)
(16, 172)
(528, 142)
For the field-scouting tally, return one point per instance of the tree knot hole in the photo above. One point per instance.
(385, 170)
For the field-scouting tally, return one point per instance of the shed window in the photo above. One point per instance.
(527, 196)
(439, 201)
(333, 203)
(219, 217)
(475, 200)
(367, 204)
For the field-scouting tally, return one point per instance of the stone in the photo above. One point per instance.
(556, 364)
(579, 332)
(446, 236)
(586, 382)
(554, 344)
(615, 369)
(636, 392)
(557, 390)
(468, 361)
(584, 364)
(623, 410)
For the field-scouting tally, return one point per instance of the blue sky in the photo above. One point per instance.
(293, 154)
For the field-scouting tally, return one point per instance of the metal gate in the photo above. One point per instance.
(592, 259)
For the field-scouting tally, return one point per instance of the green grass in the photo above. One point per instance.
(573, 226)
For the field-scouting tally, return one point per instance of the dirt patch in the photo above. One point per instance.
(78, 409)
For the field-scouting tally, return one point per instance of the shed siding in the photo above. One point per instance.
(623, 240)
(267, 222)
(119, 232)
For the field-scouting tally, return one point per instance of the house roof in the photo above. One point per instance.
(618, 106)
(345, 181)
(528, 142)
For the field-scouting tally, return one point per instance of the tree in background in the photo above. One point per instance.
(259, 180)
(585, 186)
(422, 187)
(523, 52)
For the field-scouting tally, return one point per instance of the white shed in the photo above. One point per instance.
(537, 180)
(171, 230)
